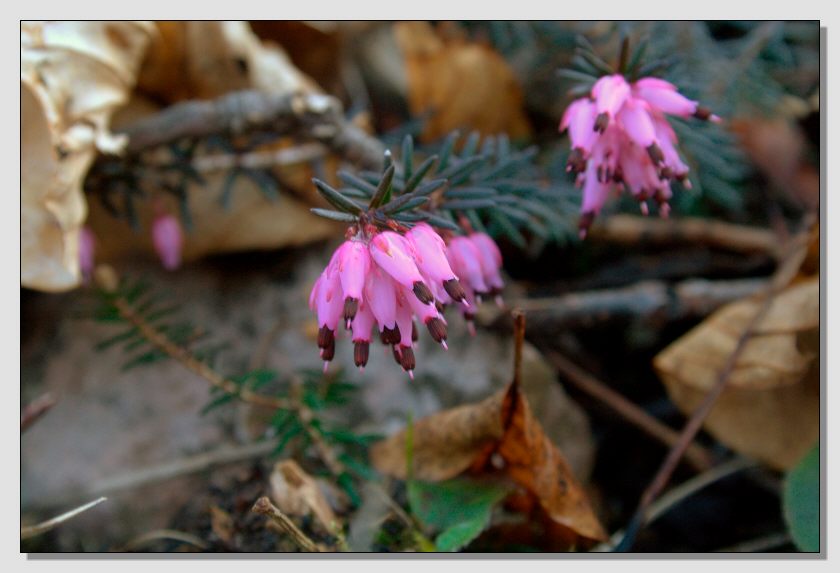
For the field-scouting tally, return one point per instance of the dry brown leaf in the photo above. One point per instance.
(74, 75)
(222, 524)
(297, 493)
(770, 409)
(462, 84)
(191, 60)
(778, 147)
(473, 436)
(207, 59)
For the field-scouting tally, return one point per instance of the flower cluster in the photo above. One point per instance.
(388, 278)
(621, 137)
(167, 238)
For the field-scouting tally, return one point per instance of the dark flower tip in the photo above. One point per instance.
(351, 306)
(422, 292)
(454, 289)
(437, 329)
(361, 352)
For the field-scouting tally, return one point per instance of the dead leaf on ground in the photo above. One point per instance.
(770, 409)
(74, 75)
(204, 60)
(778, 147)
(461, 84)
(477, 438)
(297, 493)
(222, 524)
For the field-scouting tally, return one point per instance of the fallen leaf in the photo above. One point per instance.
(770, 409)
(221, 523)
(296, 493)
(801, 501)
(204, 60)
(499, 434)
(74, 75)
(459, 84)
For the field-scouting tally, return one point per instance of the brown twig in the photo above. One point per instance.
(634, 230)
(263, 506)
(325, 451)
(152, 536)
(698, 456)
(690, 298)
(185, 358)
(259, 159)
(35, 409)
(45, 526)
(695, 422)
(518, 341)
(317, 117)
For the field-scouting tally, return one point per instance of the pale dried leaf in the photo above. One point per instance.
(461, 84)
(297, 493)
(73, 77)
(770, 409)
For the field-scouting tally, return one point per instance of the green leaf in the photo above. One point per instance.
(334, 215)
(461, 204)
(144, 359)
(418, 176)
(470, 193)
(121, 337)
(801, 501)
(336, 199)
(404, 203)
(446, 150)
(383, 190)
(357, 183)
(216, 402)
(444, 504)
(430, 187)
(407, 156)
(457, 536)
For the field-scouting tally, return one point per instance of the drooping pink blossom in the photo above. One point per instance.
(393, 279)
(87, 252)
(630, 146)
(168, 239)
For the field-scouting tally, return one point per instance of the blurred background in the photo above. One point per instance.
(124, 121)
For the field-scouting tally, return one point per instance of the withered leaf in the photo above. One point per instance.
(770, 409)
(74, 75)
(461, 84)
(475, 436)
(222, 524)
(297, 493)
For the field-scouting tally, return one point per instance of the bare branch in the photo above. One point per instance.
(316, 117)
(35, 409)
(45, 526)
(263, 506)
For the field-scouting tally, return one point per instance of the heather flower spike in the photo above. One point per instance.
(396, 274)
(87, 252)
(168, 239)
(621, 140)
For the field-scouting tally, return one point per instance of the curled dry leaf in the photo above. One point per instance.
(74, 75)
(770, 409)
(203, 60)
(460, 84)
(297, 493)
(498, 431)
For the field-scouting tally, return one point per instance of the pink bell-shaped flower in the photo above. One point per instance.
(168, 239)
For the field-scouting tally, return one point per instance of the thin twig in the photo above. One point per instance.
(159, 534)
(33, 530)
(306, 415)
(695, 422)
(681, 492)
(698, 456)
(634, 230)
(313, 116)
(183, 356)
(518, 341)
(260, 159)
(263, 506)
(35, 409)
(184, 466)
(689, 298)
(759, 545)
